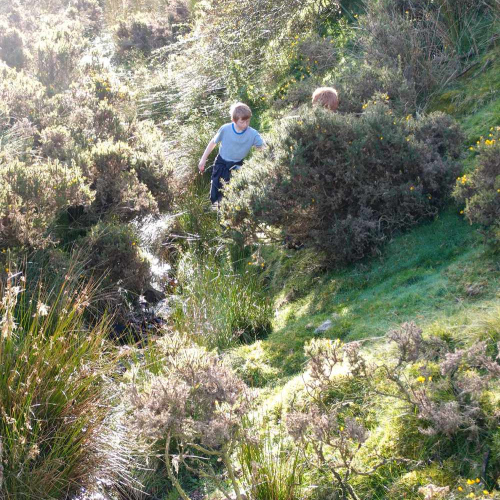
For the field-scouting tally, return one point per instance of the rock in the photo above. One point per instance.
(324, 326)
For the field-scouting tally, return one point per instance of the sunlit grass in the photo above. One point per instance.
(53, 396)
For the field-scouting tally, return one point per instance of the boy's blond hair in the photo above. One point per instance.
(240, 110)
(326, 97)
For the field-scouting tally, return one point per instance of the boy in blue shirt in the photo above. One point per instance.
(236, 139)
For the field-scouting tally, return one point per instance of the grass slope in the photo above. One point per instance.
(438, 273)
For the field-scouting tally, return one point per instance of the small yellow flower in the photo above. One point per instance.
(408, 117)
(421, 379)
(133, 243)
(249, 263)
(262, 265)
(312, 200)
(430, 379)
(486, 492)
(471, 495)
(381, 138)
(472, 148)
(341, 428)
(470, 481)
(460, 488)
(412, 188)
(461, 212)
(478, 480)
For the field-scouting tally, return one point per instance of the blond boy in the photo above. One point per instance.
(236, 139)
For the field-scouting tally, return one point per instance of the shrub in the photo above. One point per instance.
(31, 197)
(142, 34)
(150, 164)
(115, 258)
(56, 143)
(429, 41)
(195, 405)
(480, 190)
(24, 96)
(89, 13)
(56, 57)
(53, 398)
(343, 184)
(118, 189)
(12, 47)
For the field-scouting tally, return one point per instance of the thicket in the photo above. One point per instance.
(343, 184)
(479, 190)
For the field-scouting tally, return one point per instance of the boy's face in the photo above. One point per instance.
(242, 123)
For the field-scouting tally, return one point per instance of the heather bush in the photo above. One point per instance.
(119, 192)
(446, 387)
(331, 429)
(343, 184)
(194, 406)
(32, 196)
(144, 33)
(56, 143)
(480, 190)
(114, 257)
(53, 397)
(57, 55)
(12, 49)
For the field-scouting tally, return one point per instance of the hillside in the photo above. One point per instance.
(330, 329)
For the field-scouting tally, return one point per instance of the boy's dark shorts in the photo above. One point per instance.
(221, 172)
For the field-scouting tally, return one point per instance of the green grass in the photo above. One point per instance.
(474, 98)
(53, 397)
(434, 273)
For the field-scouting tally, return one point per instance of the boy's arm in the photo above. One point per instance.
(210, 147)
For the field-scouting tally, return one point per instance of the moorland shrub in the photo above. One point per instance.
(12, 47)
(193, 409)
(32, 196)
(480, 189)
(430, 42)
(115, 257)
(143, 33)
(119, 192)
(23, 95)
(343, 184)
(89, 13)
(57, 54)
(56, 143)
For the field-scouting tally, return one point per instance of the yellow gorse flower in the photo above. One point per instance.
(421, 379)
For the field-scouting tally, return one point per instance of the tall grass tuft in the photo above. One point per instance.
(53, 395)
(221, 305)
(271, 470)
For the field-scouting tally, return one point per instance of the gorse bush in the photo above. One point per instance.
(31, 198)
(480, 190)
(343, 184)
(53, 398)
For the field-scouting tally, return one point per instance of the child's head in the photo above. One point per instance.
(326, 97)
(240, 111)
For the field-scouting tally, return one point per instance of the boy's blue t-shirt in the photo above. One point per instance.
(236, 145)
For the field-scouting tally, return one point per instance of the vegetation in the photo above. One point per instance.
(331, 332)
